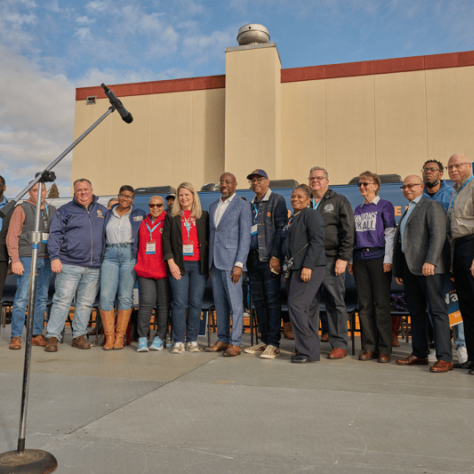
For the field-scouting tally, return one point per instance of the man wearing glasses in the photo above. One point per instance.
(75, 250)
(439, 190)
(340, 230)
(418, 264)
(269, 216)
(461, 226)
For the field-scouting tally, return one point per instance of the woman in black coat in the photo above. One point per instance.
(304, 249)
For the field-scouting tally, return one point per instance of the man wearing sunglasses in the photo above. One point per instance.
(419, 265)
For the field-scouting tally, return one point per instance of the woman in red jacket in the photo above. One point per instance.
(152, 277)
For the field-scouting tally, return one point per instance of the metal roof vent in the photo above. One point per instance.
(253, 33)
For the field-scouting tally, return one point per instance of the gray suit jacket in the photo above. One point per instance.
(425, 235)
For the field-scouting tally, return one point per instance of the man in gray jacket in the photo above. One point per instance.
(418, 264)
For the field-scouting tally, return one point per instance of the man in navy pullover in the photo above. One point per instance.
(75, 249)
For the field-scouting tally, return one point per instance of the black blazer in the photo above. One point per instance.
(173, 241)
(306, 227)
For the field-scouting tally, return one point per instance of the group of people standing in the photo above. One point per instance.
(172, 253)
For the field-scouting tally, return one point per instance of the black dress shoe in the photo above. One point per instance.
(467, 365)
(471, 372)
(300, 359)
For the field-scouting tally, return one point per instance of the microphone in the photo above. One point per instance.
(124, 113)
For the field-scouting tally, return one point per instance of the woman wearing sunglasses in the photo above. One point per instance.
(117, 276)
(152, 277)
(186, 247)
(372, 268)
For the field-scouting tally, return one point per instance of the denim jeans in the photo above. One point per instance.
(187, 292)
(459, 340)
(22, 293)
(73, 280)
(228, 301)
(117, 273)
(265, 290)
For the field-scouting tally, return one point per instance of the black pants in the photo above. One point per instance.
(373, 290)
(153, 293)
(421, 291)
(464, 281)
(3, 276)
(300, 296)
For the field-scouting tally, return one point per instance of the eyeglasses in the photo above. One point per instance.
(125, 196)
(256, 180)
(155, 205)
(317, 178)
(432, 169)
(409, 186)
(456, 167)
(365, 184)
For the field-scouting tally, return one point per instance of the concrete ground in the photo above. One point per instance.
(123, 411)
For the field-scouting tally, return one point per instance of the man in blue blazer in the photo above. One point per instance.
(230, 220)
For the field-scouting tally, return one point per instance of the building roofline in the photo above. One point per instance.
(299, 74)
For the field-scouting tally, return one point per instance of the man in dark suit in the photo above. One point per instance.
(418, 264)
(230, 220)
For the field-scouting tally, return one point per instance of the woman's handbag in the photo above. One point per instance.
(287, 264)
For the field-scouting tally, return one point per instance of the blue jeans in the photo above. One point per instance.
(22, 293)
(117, 273)
(187, 292)
(228, 302)
(265, 290)
(459, 340)
(72, 278)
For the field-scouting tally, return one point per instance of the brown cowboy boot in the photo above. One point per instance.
(122, 323)
(396, 320)
(108, 321)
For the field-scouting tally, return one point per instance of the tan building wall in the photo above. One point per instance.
(385, 116)
(174, 137)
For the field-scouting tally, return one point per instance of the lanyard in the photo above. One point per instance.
(256, 210)
(152, 230)
(451, 204)
(187, 224)
(45, 221)
(313, 202)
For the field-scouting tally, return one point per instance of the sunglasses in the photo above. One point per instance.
(364, 184)
(155, 205)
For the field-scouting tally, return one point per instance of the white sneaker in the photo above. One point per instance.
(258, 349)
(432, 356)
(271, 352)
(462, 354)
(178, 348)
(192, 347)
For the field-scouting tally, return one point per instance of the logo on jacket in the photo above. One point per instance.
(138, 218)
(99, 213)
(328, 208)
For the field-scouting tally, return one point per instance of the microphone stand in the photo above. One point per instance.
(35, 460)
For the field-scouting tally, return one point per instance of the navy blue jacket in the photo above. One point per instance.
(76, 234)
(137, 216)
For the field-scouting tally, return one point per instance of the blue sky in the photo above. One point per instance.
(50, 47)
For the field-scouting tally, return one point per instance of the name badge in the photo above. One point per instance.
(253, 230)
(151, 247)
(188, 250)
(44, 237)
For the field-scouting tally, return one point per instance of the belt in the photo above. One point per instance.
(120, 245)
(369, 249)
(464, 239)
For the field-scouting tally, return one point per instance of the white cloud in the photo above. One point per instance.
(36, 118)
(85, 20)
(83, 33)
(16, 19)
(204, 47)
(97, 7)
